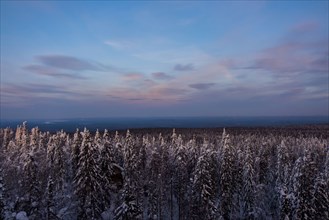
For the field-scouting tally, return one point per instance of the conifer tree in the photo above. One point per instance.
(204, 187)
(226, 178)
(248, 194)
(77, 140)
(2, 196)
(32, 187)
(155, 188)
(181, 177)
(7, 136)
(34, 139)
(50, 204)
(87, 180)
(282, 182)
(107, 161)
(321, 198)
(56, 160)
(303, 186)
(131, 164)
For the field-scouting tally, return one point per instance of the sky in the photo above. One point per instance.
(69, 59)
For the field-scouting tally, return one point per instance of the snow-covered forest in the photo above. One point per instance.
(278, 173)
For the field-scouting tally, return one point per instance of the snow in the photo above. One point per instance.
(22, 216)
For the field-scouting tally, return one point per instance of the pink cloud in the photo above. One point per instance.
(307, 26)
(293, 58)
(132, 76)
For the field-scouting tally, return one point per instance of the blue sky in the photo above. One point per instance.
(64, 59)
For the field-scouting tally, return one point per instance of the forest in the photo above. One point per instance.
(232, 173)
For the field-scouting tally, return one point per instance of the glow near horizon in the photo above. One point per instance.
(107, 59)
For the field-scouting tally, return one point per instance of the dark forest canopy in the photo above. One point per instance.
(237, 173)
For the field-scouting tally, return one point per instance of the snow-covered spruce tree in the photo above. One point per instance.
(282, 182)
(76, 145)
(133, 164)
(31, 187)
(24, 139)
(141, 172)
(181, 177)
(303, 187)
(171, 148)
(50, 204)
(248, 189)
(107, 162)
(204, 187)
(34, 139)
(226, 178)
(129, 208)
(87, 180)
(130, 156)
(118, 143)
(282, 161)
(321, 193)
(2, 197)
(7, 136)
(56, 160)
(326, 166)
(18, 135)
(321, 198)
(155, 183)
(166, 179)
(106, 136)
(97, 137)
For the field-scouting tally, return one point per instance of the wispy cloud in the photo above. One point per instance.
(169, 91)
(297, 53)
(293, 58)
(47, 71)
(202, 86)
(36, 89)
(161, 76)
(182, 67)
(68, 63)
